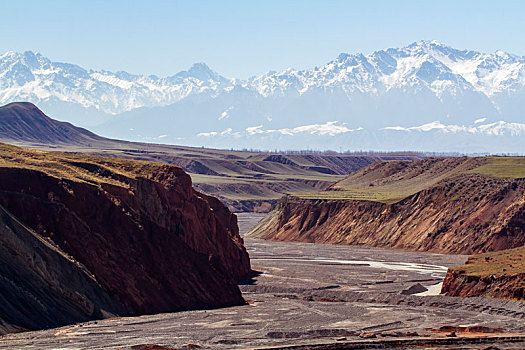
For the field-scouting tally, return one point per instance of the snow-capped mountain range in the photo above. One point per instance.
(424, 87)
(32, 77)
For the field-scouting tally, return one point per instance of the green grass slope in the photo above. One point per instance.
(391, 181)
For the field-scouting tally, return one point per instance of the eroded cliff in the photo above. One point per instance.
(440, 205)
(153, 243)
(41, 287)
(498, 275)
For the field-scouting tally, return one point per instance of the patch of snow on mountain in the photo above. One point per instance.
(480, 120)
(328, 129)
(226, 132)
(427, 68)
(498, 128)
(226, 114)
(112, 80)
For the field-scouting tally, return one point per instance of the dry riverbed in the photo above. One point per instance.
(310, 294)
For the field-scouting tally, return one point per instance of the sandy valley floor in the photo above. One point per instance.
(314, 294)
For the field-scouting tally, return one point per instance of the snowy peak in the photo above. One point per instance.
(489, 74)
(434, 49)
(423, 64)
(28, 57)
(423, 67)
(202, 72)
(32, 77)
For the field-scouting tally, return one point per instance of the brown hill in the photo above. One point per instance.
(448, 205)
(152, 242)
(244, 180)
(23, 122)
(498, 274)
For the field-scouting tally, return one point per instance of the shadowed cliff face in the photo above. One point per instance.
(41, 287)
(152, 242)
(463, 214)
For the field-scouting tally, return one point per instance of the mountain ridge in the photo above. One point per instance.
(385, 61)
(363, 97)
(23, 122)
(244, 180)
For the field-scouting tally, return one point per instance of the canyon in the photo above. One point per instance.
(93, 233)
(315, 296)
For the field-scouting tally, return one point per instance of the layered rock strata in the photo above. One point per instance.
(41, 287)
(152, 242)
(499, 275)
(463, 213)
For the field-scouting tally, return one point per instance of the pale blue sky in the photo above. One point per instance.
(243, 38)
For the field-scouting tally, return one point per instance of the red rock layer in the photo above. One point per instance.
(505, 286)
(155, 244)
(465, 214)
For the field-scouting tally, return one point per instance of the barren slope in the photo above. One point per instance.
(498, 274)
(151, 241)
(243, 180)
(454, 205)
(23, 122)
(42, 287)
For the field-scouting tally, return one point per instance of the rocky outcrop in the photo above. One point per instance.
(153, 243)
(504, 286)
(462, 214)
(499, 275)
(41, 287)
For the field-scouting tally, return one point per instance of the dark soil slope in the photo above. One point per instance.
(151, 241)
(41, 287)
(24, 122)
